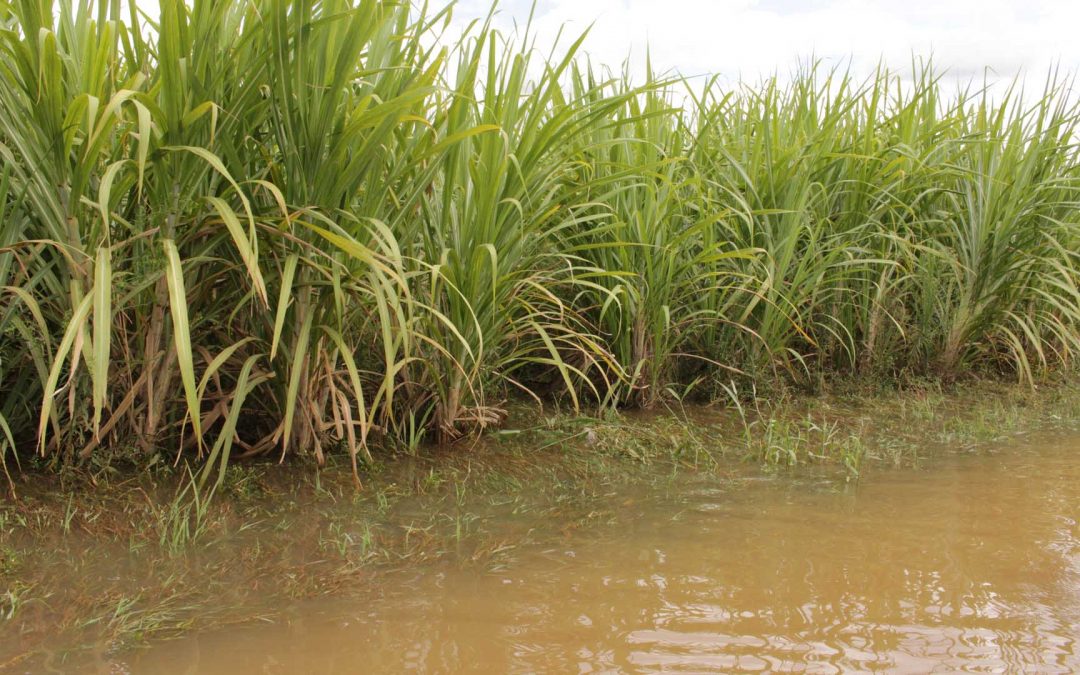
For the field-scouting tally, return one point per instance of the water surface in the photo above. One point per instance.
(970, 563)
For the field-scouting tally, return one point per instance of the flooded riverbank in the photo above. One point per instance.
(971, 563)
(956, 548)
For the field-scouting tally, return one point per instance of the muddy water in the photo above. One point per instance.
(971, 563)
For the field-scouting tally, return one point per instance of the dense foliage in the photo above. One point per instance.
(272, 226)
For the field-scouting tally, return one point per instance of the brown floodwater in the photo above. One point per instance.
(970, 563)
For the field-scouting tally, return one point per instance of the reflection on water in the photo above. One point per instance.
(970, 565)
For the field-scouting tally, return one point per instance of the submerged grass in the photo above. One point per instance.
(90, 571)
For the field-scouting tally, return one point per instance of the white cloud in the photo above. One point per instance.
(750, 38)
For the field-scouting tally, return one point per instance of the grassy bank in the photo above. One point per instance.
(99, 561)
(261, 228)
(337, 235)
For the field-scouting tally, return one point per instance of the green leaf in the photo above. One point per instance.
(178, 307)
(102, 309)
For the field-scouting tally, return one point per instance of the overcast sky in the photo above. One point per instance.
(750, 38)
